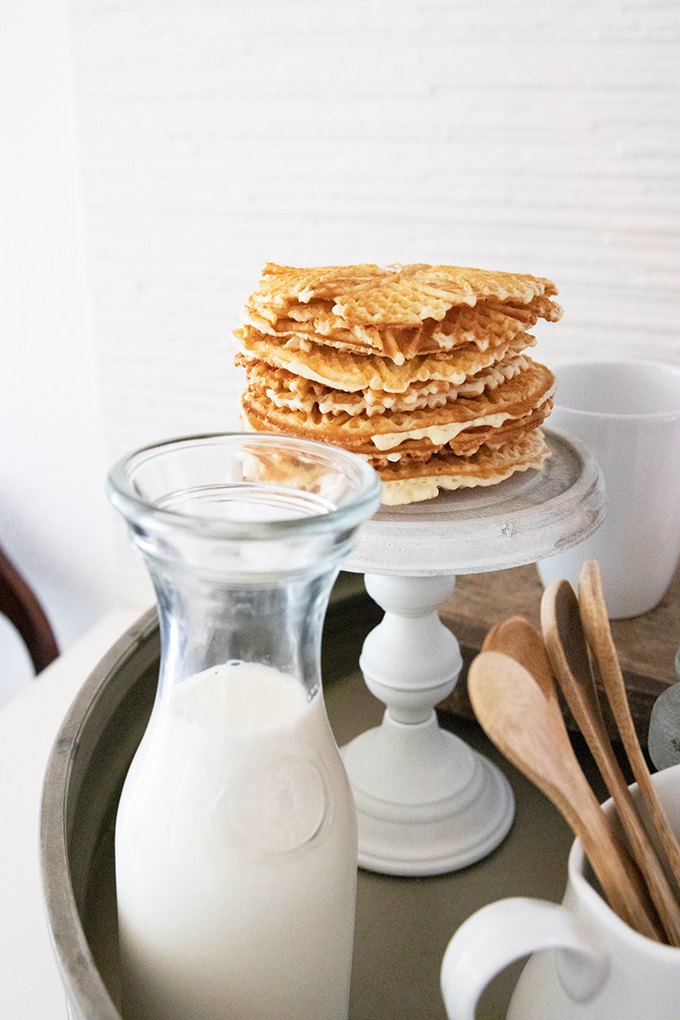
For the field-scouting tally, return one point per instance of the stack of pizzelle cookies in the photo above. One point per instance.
(421, 370)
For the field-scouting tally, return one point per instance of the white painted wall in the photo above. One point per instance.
(530, 135)
(53, 514)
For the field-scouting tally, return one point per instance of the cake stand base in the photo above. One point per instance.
(405, 817)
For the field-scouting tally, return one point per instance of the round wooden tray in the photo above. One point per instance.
(402, 926)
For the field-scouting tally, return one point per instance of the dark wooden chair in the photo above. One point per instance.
(21, 607)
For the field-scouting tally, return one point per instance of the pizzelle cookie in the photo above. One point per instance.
(342, 369)
(419, 369)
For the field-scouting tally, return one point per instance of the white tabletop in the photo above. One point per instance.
(30, 986)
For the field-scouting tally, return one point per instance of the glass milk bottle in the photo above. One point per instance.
(236, 844)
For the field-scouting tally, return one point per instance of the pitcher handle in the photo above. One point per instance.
(507, 930)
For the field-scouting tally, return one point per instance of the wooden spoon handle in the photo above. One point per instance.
(566, 646)
(598, 633)
(529, 729)
(616, 873)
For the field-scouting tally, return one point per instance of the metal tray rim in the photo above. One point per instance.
(72, 952)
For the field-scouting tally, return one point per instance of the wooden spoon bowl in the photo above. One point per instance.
(527, 726)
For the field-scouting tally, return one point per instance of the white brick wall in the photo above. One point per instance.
(529, 135)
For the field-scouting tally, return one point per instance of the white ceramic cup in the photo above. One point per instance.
(628, 414)
(588, 964)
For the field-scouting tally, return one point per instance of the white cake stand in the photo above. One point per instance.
(427, 803)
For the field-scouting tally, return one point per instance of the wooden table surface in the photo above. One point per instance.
(646, 644)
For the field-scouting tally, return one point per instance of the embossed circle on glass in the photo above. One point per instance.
(279, 802)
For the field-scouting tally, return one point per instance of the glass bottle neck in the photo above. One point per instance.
(207, 622)
(243, 536)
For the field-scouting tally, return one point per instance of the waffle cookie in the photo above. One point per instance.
(422, 370)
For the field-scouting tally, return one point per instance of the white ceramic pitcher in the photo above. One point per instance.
(587, 964)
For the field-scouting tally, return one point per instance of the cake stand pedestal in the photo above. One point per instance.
(427, 803)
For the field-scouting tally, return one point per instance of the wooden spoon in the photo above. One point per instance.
(568, 653)
(529, 729)
(599, 636)
(517, 638)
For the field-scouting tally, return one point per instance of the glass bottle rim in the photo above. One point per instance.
(135, 508)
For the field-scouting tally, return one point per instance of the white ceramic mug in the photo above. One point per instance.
(628, 414)
(588, 964)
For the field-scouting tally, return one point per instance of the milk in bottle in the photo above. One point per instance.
(236, 856)
(236, 836)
